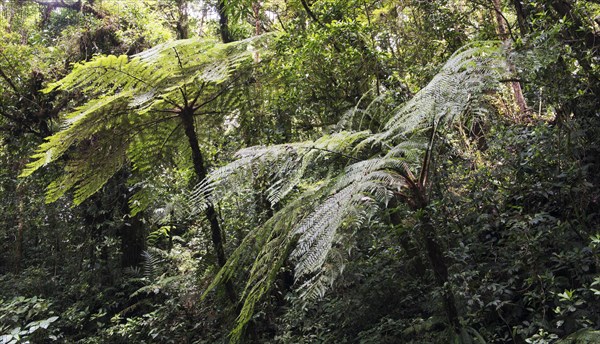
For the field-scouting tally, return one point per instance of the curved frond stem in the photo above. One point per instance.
(428, 152)
(214, 97)
(333, 152)
(178, 58)
(107, 68)
(184, 96)
(198, 94)
(168, 138)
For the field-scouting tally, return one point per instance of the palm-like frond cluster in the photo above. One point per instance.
(364, 172)
(130, 107)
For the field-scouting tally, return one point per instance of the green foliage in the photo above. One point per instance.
(336, 192)
(26, 319)
(347, 197)
(132, 107)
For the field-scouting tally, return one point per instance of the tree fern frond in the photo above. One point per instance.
(376, 168)
(273, 242)
(288, 165)
(132, 108)
(316, 232)
(471, 71)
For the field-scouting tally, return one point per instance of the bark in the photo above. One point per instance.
(501, 24)
(224, 22)
(257, 25)
(200, 170)
(132, 232)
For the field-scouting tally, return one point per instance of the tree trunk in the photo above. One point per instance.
(504, 35)
(256, 10)
(416, 264)
(132, 233)
(434, 254)
(440, 271)
(224, 22)
(20, 229)
(132, 241)
(182, 27)
(187, 120)
(521, 17)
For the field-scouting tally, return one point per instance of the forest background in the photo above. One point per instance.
(295, 171)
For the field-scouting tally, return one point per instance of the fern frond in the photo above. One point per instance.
(288, 165)
(131, 110)
(456, 88)
(376, 168)
(151, 262)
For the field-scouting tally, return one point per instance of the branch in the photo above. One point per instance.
(311, 14)
(512, 80)
(9, 82)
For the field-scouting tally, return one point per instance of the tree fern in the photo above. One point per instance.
(133, 108)
(375, 168)
(145, 110)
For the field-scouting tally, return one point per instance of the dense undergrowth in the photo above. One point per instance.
(382, 192)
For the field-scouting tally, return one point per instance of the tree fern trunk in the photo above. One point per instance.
(416, 264)
(200, 169)
(440, 271)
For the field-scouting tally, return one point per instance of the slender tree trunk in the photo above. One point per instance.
(521, 17)
(187, 120)
(434, 254)
(132, 242)
(224, 22)
(57, 251)
(257, 24)
(440, 271)
(182, 22)
(20, 228)
(132, 233)
(504, 35)
(417, 266)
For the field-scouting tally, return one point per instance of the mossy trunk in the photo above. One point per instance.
(20, 229)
